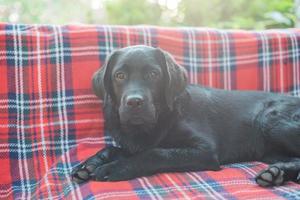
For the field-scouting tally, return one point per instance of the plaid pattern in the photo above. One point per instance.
(50, 120)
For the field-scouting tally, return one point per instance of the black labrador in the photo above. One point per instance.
(163, 124)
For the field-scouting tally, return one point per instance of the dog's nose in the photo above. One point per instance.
(134, 101)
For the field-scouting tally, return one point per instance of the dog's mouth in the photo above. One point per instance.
(136, 120)
(141, 117)
(138, 125)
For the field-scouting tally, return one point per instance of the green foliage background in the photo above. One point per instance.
(245, 14)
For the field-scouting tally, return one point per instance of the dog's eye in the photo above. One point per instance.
(120, 76)
(152, 75)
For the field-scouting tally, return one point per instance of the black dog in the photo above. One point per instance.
(163, 124)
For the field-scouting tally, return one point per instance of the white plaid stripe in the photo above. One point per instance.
(51, 145)
(65, 114)
(209, 188)
(281, 64)
(177, 187)
(192, 60)
(47, 105)
(53, 51)
(109, 39)
(265, 59)
(203, 62)
(47, 100)
(228, 64)
(54, 123)
(15, 31)
(151, 188)
(209, 59)
(146, 189)
(23, 133)
(226, 59)
(239, 60)
(147, 36)
(246, 168)
(127, 36)
(91, 50)
(296, 64)
(41, 122)
(53, 55)
(58, 81)
(287, 190)
(145, 41)
(194, 56)
(21, 155)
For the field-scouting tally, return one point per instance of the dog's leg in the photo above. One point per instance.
(280, 124)
(82, 172)
(157, 160)
(279, 173)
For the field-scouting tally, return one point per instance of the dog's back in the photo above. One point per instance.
(240, 122)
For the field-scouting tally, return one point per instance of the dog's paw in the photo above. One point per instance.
(114, 171)
(272, 176)
(82, 172)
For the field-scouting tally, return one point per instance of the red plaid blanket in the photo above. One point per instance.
(50, 119)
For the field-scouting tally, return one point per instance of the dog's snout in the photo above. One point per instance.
(134, 101)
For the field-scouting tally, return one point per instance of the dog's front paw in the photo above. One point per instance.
(272, 176)
(114, 171)
(82, 172)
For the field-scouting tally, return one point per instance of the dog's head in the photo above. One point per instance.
(140, 81)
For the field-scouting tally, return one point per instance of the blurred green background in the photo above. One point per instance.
(245, 14)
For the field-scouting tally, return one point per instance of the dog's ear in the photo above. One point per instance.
(97, 83)
(101, 81)
(176, 77)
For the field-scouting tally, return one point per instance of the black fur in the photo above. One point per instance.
(163, 124)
